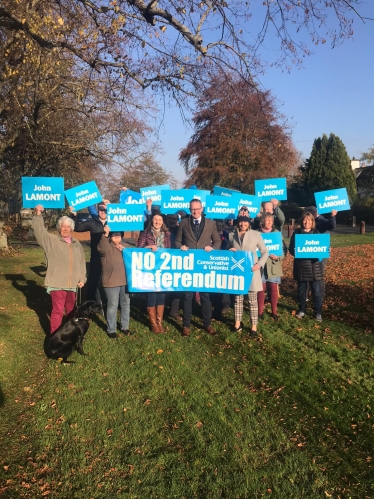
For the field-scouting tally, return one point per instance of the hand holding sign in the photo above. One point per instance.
(39, 209)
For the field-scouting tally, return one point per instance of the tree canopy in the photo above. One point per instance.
(239, 137)
(174, 46)
(328, 167)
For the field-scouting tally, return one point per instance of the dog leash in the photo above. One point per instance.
(79, 297)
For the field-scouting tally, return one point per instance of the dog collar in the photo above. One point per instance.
(81, 319)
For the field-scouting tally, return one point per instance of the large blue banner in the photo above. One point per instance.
(253, 203)
(223, 191)
(196, 270)
(125, 217)
(221, 207)
(84, 195)
(174, 200)
(47, 191)
(312, 246)
(335, 199)
(271, 188)
(273, 242)
(154, 193)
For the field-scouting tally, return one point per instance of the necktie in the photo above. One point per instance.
(196, 222)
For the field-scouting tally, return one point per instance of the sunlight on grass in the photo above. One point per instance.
(161, 416)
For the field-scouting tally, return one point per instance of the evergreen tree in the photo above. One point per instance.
(329, 167)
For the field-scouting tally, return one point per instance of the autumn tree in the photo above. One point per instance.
(328, 167)
(239, 137)
(57, 119)
(173, 47)
(368, 155)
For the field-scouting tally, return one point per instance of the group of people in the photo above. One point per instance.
(67, 269)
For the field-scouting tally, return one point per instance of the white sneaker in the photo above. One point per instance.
(300, 315)
(319, 317)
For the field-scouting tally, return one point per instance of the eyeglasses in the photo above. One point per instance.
(102, 209)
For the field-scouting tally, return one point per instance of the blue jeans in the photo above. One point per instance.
(317, 297)
(114, 296)
(154, 299)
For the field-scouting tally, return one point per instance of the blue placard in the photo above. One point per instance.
(273, 242)
(223, 191)
(197, 270)
(154, 193)
(47, 191)
(221, 207)
(271, 188)
(253, 203)
(84, 195)
(312, 246)
(174, 200)
(125, 217)
(335, 199)
(130, 197)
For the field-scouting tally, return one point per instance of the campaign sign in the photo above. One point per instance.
(130, 197)
(271, 188)
(84, 195)
(47, 191)
(174, 200)
(196, 270)
(312, 246)
(220, 207)
(253, 203)
(125, 217)
(273, 242)
(223, 191)
(154, 193)
(335, 199)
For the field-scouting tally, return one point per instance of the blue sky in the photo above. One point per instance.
(333, 92)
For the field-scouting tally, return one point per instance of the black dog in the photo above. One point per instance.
(71, 334)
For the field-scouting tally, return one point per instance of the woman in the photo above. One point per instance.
(271, 276)
(155, 236)
(114, 281)
(307, 270)
(66, 265)
(245, 239)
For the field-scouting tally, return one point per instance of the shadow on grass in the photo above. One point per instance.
(2, 397)
(36, 297)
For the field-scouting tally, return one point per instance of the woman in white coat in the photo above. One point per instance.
(245, 239)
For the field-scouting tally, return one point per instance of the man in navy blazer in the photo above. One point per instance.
(197, 232)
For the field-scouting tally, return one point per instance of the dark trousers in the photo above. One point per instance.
(317, 297)
(174, 304)
(206, 308)
(93, 278)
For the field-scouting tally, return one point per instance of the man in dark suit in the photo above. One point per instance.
(197, 232)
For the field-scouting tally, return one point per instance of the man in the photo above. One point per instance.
(271, 207)
(172, 222)
(197, 232)
(323, 225)
(96, 227)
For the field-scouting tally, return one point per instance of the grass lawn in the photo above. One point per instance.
(161, 416)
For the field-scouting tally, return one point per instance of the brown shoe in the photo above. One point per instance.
(186, 331)
(210, 330)
(177, 317)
